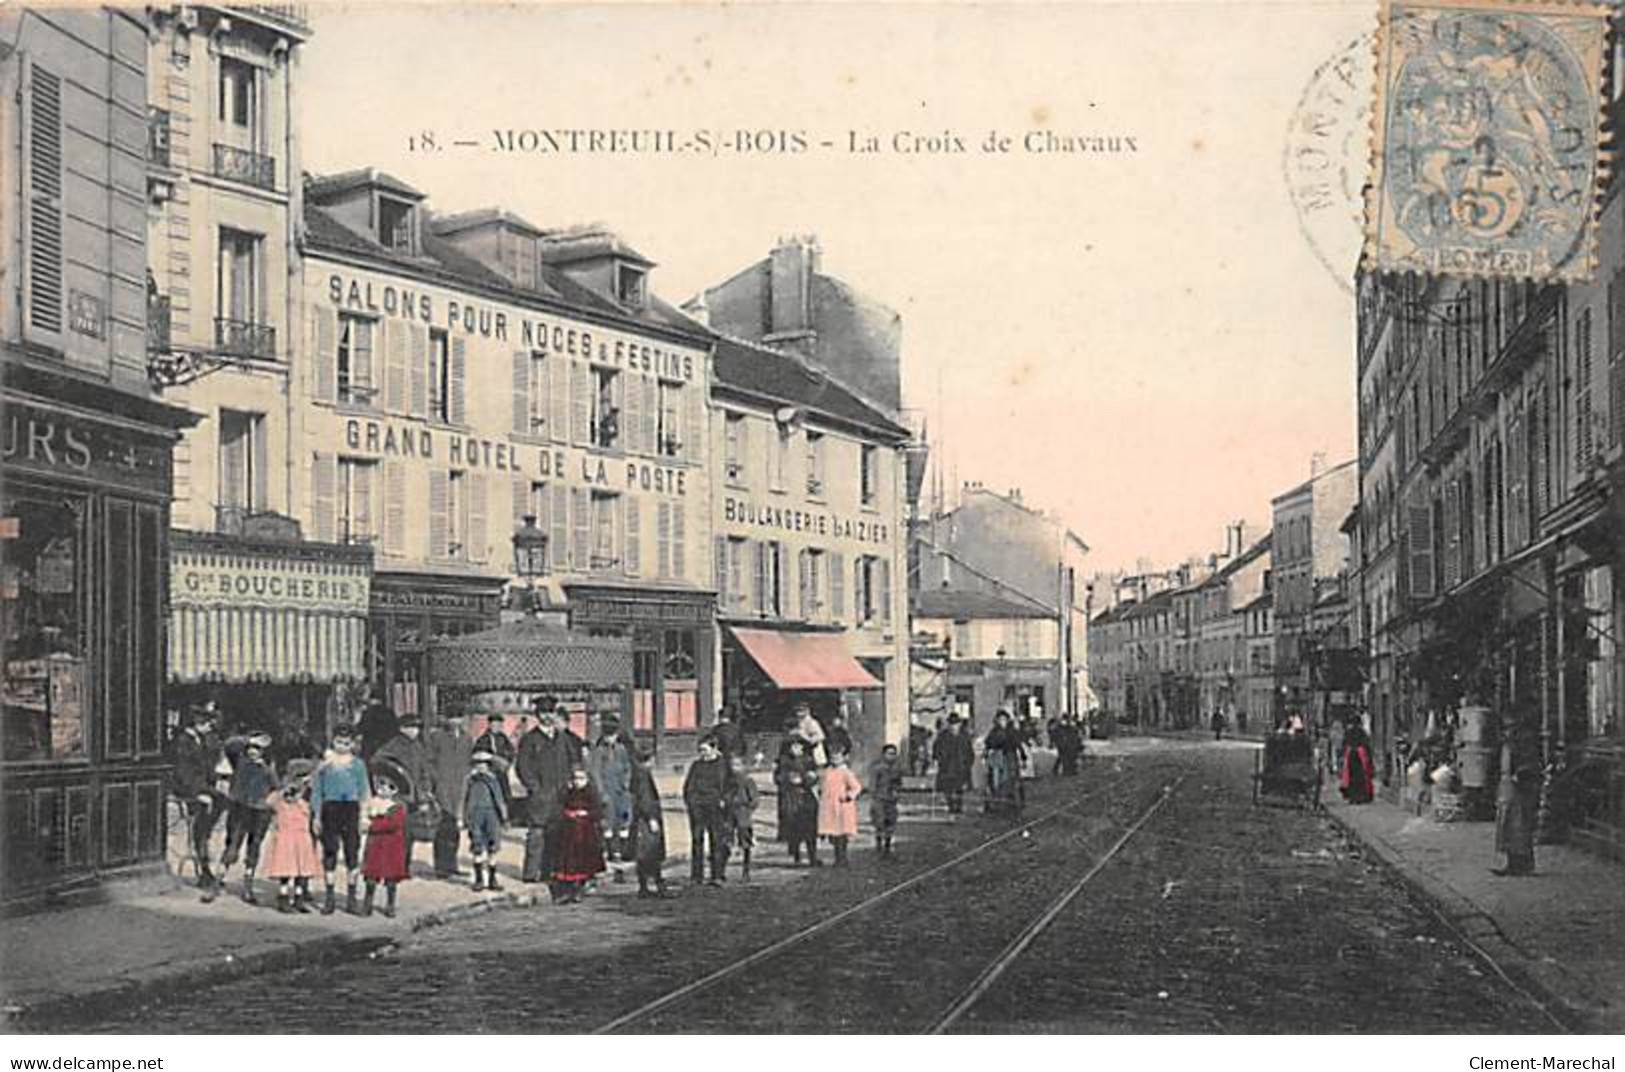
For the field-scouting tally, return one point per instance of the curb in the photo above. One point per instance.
(1475, 929)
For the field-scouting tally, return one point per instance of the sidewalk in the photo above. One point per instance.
(156, 935)
(1556, 932)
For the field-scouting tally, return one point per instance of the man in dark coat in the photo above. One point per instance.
(707, 789)
(547, 755)
(955, 760)
(195, 753)
(449, 751)
(405, 750)
(378, 724)
(837, 739)
(730, 737)
(648, 829)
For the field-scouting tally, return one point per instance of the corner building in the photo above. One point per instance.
(465, 372)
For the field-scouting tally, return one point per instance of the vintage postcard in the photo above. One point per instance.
(732, 519)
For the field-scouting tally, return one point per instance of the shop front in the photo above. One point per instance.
(672, 636)
(1024, 687)
(84, 529)
(270, 627)
(407, 614)
(771, 668)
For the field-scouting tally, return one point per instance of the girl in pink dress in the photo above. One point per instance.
(838, 805)
(292, 861)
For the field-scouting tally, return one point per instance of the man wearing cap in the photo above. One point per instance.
(730, 737)
(547, 755)
(449, 752)
(610, 765)
(194, 751)
(707, 788)
(956, 759)
(252, 782)
(406, 751)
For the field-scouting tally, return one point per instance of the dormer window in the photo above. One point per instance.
(630, 285)
(397, 225)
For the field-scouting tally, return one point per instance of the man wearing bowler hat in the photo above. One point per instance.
(405, 750)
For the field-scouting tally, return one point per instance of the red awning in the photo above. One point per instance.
(805, 660)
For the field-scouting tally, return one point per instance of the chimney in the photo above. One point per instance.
(794, 261)
(1317, 464)
(696, 309)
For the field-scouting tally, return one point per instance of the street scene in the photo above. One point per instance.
(656, 576)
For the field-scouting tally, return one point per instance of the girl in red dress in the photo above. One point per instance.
(579, 852)
(385, 859)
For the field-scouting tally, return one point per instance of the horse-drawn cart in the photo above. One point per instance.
(1286, 767)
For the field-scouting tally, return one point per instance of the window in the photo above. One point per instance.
(395, 225)
(238, 278)
(815, 463)
(439, 376)
(770, 589)
(781, 456)
(604, 541)
(961, 648)
(355, 381)
(242, 462)
(731, 551)
(811, 576)
(870, 475)
(538, 392)
(237, 81)
(668, 433)
(606, 411)
(629, 285)
(357, 486)
(733, 441)
(42, 627)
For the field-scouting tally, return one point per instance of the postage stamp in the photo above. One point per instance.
(1487, 148)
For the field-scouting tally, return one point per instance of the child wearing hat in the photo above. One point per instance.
(337, 791)
(252, 781)
(485, 810)
(580, 849)
(385, 860)
(292, 861)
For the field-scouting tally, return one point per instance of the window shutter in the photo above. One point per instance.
(837, 585)
(883, 566)
(521, 502)
(559, 526)
(679, 541)
(581, 529)
(779, 563)
(326, 354)
(439, 508)
(558, 399)
(419, 370)
(744, 450)
(323, 477)
(803, 580)
(232, 454)
(651, 405)
(521, 392)
(394, 508)
(720, 577)
(632, 418)
(362, 523)
(361, 354)
(395, 388)
(459, 368)
(476, 537)
(44, 219)
(1421, 544)
(633, 555)
(759, 552)
(1452, 535)
(1517, 483)
(262, 466)
(663, 541)
(694, 429)
(580, 403)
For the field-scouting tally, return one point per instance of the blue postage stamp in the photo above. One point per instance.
(1487, 156)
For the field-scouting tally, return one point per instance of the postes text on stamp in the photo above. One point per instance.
(1487, 148)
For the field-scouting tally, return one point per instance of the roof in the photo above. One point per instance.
(1260, 603)
(784, 378)
(587, 243)
(961, 604)
(1247, 556)
(453, 222)
(325, 187)
(1018, 504)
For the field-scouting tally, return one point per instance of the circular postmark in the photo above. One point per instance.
(1328, 155)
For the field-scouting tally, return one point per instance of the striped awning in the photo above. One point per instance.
(257, 612)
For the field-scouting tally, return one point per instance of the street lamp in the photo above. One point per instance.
(530, 556)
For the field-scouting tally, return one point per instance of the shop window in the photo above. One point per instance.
(439, 376)
(870, 475)
(355, 378)
(357, 518)
(606, 410)
(42, 621)
(681, 684)
(734, 447)
(815, 464)
(668, 436)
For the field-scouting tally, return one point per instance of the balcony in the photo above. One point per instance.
(293, 18)
(245, 166)
(228, 520)
(158, 136)
(158, 321)
(241, 338)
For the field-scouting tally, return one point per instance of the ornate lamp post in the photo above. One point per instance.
(529, 557)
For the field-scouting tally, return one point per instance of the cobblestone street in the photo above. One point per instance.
(1215, 916)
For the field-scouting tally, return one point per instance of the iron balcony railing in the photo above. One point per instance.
(158, 136)
(290, 16)
(158, 322)
(245, 166)
(228, 520)
(242, 338)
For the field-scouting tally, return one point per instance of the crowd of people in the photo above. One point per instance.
(382, 785)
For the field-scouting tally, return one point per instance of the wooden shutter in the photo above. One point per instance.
(720, 577)
(361, 371)
(837, 585)
(1517, 483)
(43, 221)
(679, 540)
(633, 438)
(759, 553)
(419, 376)
(694, 429)
(883, 584)
(632, 556)
(520, 489)
(803, 581)
(521, 392)
(1452, 534)
(323, 478)
(1421, 544)
(651, 407)
(581, 529)
(439, 513)
(394, 508)
(326, 358)
(580, 402)
(396, 398)
(559, 527)
(663, 541)
(476, 537)
(459, 368)
(261, 457)
(780, 567)
(558, 399)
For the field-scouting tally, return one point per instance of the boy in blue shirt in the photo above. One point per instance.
(338, 789)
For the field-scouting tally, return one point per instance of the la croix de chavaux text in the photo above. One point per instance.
(781, 142)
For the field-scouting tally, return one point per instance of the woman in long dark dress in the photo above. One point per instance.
(796, 775)
(1356, 779)
(579, 848)
(1004, 751)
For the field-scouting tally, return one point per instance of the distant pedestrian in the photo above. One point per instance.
(1217, 722)
(252, 782)
(1356, 779)
(578, 850)
(741, 817)
(919, 749)
(337, 791)
(838, 805)
(450, 752)
(707, 789)
(611, 770)
(1516, 797)
(796, 777)
(485, 811)
(1003, 751)
(1068, 746)
(955, 759)
(547, 755)
(193, 753)
(809, 729)
(291, 860)
(886, 787)
(387, 837)
(838, 738)
(730, 736)
(648, 829)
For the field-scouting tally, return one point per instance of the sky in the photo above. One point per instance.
(1149, 343)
